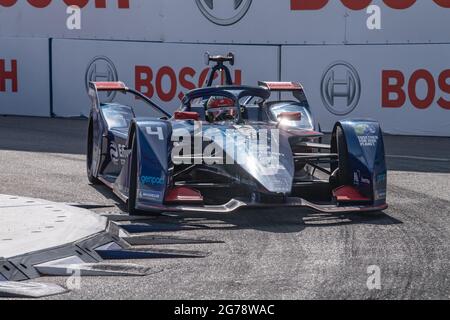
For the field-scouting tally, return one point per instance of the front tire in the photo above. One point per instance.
(344, 176)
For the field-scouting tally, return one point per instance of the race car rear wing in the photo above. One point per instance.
(281, 86)
(95, 87)
(110, 86)
(294, 87)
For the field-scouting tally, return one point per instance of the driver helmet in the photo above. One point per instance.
(220, 109)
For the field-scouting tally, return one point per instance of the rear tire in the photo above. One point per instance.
(132, 194)
(90, 155)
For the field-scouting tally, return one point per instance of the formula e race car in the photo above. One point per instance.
(233, 146)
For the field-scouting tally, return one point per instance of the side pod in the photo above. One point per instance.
(365, 164)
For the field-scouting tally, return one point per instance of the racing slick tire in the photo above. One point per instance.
(340, 174)
(342, 150)
(90, 156)
(131, 203)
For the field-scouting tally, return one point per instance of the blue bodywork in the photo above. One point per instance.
(367, 164)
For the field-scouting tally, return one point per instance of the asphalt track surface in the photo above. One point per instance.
(266, 254)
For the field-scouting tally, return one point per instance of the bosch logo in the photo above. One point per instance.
(40, 4)
(224, 13)
(168, 83)
(102, 68)
(8, 75)
(305, 5)
(423, 88)
(340, 88)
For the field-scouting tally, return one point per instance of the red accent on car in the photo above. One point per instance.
(185, 115)
(182, 195)
(110, 86)
(281, 86)
(349, 194)
(293, 116)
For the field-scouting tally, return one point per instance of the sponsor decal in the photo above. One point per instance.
(118, 153)
(368, 141)
(150, 194)
(373, 10)
(365, 129)
(224, 12)
(380, 195)
(396, 88)
(303, 5)
(381, 177)
(8, 75)
(41, 4)
(166, 83)
(101, 68)
(367, 135)
(153, 181)
(340, 88)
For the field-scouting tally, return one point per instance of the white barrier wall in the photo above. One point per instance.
(406, 87)
(306, 21)
(24, 77)
(162, 71)
(104, 19)
(348, 68)
(228, 21)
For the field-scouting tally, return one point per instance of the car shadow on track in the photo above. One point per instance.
(284, 220)
(369, 218)
(108, 194)
(294, 220)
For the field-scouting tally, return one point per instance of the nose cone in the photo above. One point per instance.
(274, 170)
(266, 156)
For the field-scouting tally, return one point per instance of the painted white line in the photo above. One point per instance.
(418, 158)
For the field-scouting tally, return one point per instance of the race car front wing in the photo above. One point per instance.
(235, 204)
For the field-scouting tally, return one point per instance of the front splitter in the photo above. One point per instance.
(291, 202)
